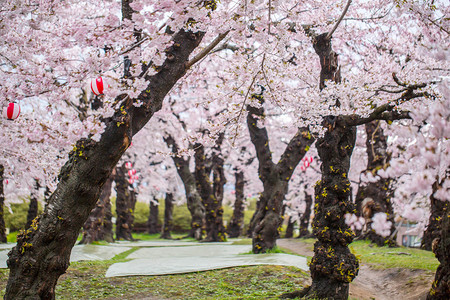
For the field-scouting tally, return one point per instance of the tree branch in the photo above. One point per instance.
(206, 50)
(339, 20)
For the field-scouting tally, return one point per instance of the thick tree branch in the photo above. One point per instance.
(294, 152)
(260, 139)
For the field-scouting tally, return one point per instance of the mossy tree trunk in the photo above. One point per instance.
(2, 201)
(42, 252)
(33, 207)
(304, 218)
(333, 266)
(193, 199)
(275, 177)
(234, 230)
(94, 229)
(440, 288)
(211, 192)
(438, 209)
(168, 216)
(375, 197)
(152, 222)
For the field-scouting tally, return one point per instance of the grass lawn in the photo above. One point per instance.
(85, 280)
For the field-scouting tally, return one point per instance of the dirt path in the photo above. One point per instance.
(385, 284)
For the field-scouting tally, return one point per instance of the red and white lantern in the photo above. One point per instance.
(311, 159)
(130, 173)
(302, 168)
(128, 165)
(12, 111)
(306, 163)
(130, 181)
(97, 86)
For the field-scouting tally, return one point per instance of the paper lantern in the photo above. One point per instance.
(135, 177)
(128, 165)
(306, 164)
(311, 159)
(302, 168)
(133, 171)
(12, 111)
(97, 86)
(130, 173)
(130, 181)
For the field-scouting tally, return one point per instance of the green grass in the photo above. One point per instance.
(385, 257)
(85, 280)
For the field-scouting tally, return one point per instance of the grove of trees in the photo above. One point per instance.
(204, 97)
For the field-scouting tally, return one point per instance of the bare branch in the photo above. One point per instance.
(206, 50)
(339, 20)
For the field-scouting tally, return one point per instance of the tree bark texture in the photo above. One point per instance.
(234, 230)
(124, 205)
(215, 230)
(94, 228)
(33, 207)
(333, 266)
(375, 197)
(152, 223)
(275, 177)
(42, 252)
(193, 199)
(440, 288)
(438, 209)
(168, 216)
(304, 218)
(2, 201)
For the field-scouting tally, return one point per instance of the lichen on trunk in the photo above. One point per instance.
(333, 266)
(267, 218)
(440, 288)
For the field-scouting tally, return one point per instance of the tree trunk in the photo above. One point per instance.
(215, 231)
(440, 288)
(2, 201)
(152, 223)
(124, 205)
(168, 217)
(375, 197)
(333, 266)
(94, 228)
(42, 252)
(304, 219)
(107, 232)
(438, 208)
(267, 218)
(193, 199)
(33, 208)
(234, 230)
(290, 228)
